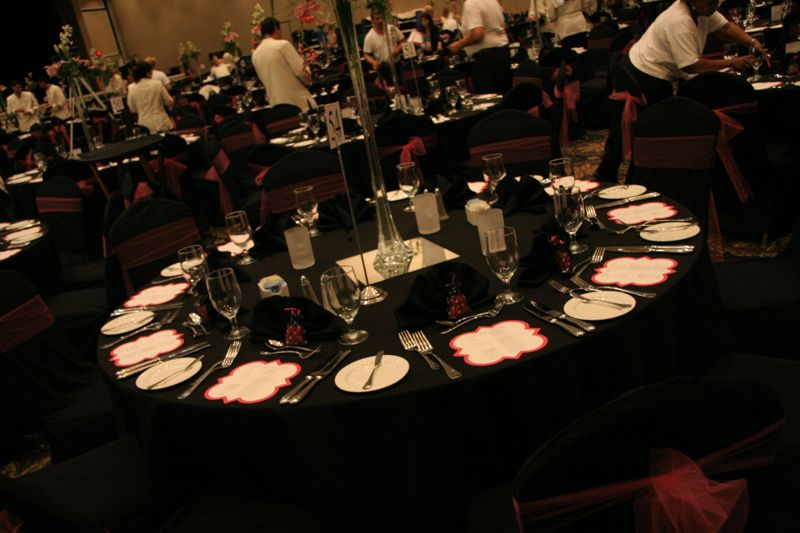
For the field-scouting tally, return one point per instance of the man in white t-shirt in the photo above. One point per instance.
(56, 101)
(671, 50)
(159, 75)
(149, 99)
(376, 48)
(485, 41)
(22, 105)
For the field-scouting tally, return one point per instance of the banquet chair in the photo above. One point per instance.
(524, 141)
(642, 459)
(404, 138)
(524, 97)
(43, 376)
(279, 119)
(447, 77)
(407, 73)
(145, 238)
(563, 84)
(376, 99)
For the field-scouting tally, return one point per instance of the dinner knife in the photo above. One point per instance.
(572, 330)
(161, 307)
(615, 203)
(300, 391)
(144, 365)
(664, 248)
(585, 326)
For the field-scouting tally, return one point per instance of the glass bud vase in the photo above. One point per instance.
(393, 256)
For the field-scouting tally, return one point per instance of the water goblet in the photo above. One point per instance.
(226, 297)
(307, 208)
(452, 98)
(239, 231)
(41, 162)
(560, 173)
(502, 256)
(436, 89)
(463, 93)
(494, 170)
(409, 180)
(193, 263)
(758, 60)
(569, 214)
(339, 287)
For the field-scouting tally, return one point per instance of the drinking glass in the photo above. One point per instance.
(344, 298)
(239, 231)
(452, 97)
(436, 89)
(463, 92)
(494, 170)
(569, 214)
(193, 263)
(41, 161)
(307, 208)
(226, 297)
(502, 256)
(561, 174)
(409, 180)
(758, 59)
(736, 15)
(313, 123)
(730, 50)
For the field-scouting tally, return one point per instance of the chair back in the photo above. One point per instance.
(524, 141)
(523, 97)
(279, 119)
(60, 205)
(529, 72)
(404, 138)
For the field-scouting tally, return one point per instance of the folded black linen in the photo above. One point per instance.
(269, 318)
(335, 213)
(527, 194)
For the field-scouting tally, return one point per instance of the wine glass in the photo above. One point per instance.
(494, 170)
(436, 89)
(569, 214)
(409, 180)
(452, 97)
(463, 92)
(344, 298)
(502, 256)
(239, 231)
(730, 50)
(313, 123)
(736, 15)
(758, 59)
(193, 263)
(307, 208)
(561, 174)
(226, 297)
(41, 161)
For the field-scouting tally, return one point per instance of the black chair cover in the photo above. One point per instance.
(508, 125)
(395, 130)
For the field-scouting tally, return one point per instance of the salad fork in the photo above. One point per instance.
(410, 345)
(596, 257)
(577, 280)
(424, 348)
(575, 294)
(453, 325)
(230, 355)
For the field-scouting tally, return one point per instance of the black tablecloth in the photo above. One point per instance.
(122, 149)
(39, 261)
(408, 458)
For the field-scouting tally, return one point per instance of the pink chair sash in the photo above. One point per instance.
(676, 497)
(24, 322)
(519, 150)
(260, 171)
(48, 204)
(415, 147)
(197, 107)
(173, 170)
(730, 128)
(281, 199)
(570, 95)
(155, 244)
(630, 112)
(219, 165)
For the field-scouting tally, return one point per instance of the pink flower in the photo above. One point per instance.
(255, 30)
(52, 70)
(98, 53)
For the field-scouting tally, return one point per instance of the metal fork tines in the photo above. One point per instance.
(168, 318)
(410, 345)
(591, 215)
(563, 289)
(583, 284)
(491, 313)
(596, 257)
(424, 347)
(230, 355)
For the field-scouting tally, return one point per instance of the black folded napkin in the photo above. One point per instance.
(268, 239)
(455, 192)
(427, 299)
(335, 213)
(527, 194)
(269, 318)
(547, 255)
(217, 260)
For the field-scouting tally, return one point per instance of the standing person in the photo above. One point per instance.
(486, 42)
(219, 69)
(426, 35)
(23, 105)
(149, 99)
(281, 69)
(567, 19)
(376, 49)
(56, 101)
(669, 51)
(159, 75)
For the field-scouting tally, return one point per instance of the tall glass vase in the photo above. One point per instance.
(393, 256)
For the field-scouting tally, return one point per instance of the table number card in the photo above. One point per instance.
(334, 125)
(409, 50)
(638, 213)
(639, 271)
(156, 295)
(253, 382)
(116, 104)
(147, 347)
(489, 345)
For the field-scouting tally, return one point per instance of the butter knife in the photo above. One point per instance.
(144, 365)
(376, 364)
(665, 248)
(572, 330)
(585, 326)
(162, 307)
(615, 203)
(300, 391)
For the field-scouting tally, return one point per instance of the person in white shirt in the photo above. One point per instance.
(56, 101)
(449, 20)
(567, 19)
(485, 40)
(159, 75)
(671, 50)
(426, 35)
(219, 69)
(23, 105)
(281, 68)
(149, 99)
(376, 47)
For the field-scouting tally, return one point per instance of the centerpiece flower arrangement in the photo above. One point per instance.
(230, 40)
(66, 64)
(255, 24)
(186, 52)
(101, 66)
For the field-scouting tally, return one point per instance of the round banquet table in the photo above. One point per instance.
(409, 457)
(39, 261)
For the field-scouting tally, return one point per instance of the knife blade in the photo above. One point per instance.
(667, 249)
(162, 307)
(144, 365)
(645, 196)
(585, 326)
(572, 330)
(314, 378)
(307, 379)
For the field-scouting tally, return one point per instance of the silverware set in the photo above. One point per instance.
(162, 307)
(452, 325)
(575, 294)
(300, 391)
(625, 201)
(230, 355)
(144, 365)
(590, 214)
(417, 342)
(166, 320)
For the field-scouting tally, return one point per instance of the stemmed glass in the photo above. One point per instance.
(436, 89)
(561, 174)
(41, 162)
(569, 214)
(730, 50)
(344, 298)
(409, 180)
(736, 15)
(307, 208)
(239, 231)
(758, 59)
(502, 256)
(226, 297)
(313, 123)
(193, 263)
(494, 170)
(452, 97)
(463, 92)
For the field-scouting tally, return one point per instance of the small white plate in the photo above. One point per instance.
(596, 311)
(190, 366)
(484, 105)
(173, 270)
(352, 377)
(20, 224)
(396, 195)
(36, 232)
(302, 144)
(280, 140)
(127, 322)
(669, 232)
(17, 180)
(297, 131)
(620, 192)
(25, 239)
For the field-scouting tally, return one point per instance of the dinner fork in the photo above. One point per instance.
(410, 345)
(424, 348)
(493, 312)
(597, 257)
(574, 293)
(583, 284)
(230, 355)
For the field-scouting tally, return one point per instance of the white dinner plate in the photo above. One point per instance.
(303, 144)
(280, 140)
(172, 270)
(17, 180)
(620, 192)
(488, 96)
(597, 311)
(25, 239)
(669, 232)
(482, 106)
(183, 368)
(20, 224)
(352, 377)
(297, 131)
(127, 322)
(21, 235)
(396, 195)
